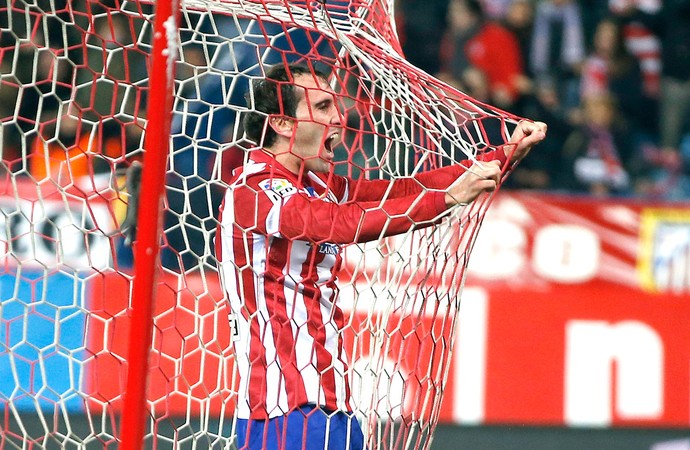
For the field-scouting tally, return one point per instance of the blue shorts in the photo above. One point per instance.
(302, 429)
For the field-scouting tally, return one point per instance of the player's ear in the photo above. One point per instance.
(282, 125)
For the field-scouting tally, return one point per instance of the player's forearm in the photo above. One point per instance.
(349, 223)
(399, 215)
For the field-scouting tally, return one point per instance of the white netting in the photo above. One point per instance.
(74, 83)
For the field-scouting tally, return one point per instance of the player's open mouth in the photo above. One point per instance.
(332, 141)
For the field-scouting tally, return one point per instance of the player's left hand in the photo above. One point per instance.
(526, 135)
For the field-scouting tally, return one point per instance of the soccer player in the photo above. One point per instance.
(283, 223)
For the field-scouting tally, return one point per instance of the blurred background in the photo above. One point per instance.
(610, 77)
(575, 324)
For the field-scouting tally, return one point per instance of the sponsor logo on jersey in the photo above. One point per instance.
(277, 188)
(329, 249)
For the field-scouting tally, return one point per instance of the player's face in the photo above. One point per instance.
(318, 123)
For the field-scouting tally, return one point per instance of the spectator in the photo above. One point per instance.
(558, 47)
(596, 153)
(664, 175)
(593, 12)
(482, 55)
(60, 160)
(80, 150)
(519, 19)
(642, 43)
(672, 24)
(542, 172)
(423, 23)
(610, 68)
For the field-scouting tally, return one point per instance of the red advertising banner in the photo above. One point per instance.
(575, 312)
(578, 313)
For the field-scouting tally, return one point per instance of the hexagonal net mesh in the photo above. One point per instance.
(74, 81)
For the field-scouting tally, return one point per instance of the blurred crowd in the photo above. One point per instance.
(611, 78)
(64, 115)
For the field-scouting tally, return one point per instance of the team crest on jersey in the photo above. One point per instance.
(277, 188)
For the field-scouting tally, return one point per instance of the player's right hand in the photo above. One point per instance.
(479, 178)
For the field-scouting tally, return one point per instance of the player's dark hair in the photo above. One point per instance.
(273, 95)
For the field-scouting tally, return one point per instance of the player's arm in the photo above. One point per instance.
(314, 219)
(276, 207)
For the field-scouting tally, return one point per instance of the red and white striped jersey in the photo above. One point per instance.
(279, 247)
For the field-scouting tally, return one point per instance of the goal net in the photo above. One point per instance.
(75, 84)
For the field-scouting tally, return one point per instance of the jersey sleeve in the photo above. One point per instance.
(258, 203)
(362, 210)
(276, 207)
(317, 220)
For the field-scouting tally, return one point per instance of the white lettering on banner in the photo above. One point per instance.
(500, 250)
(561, 252)
(592, 349)
(566, 253)
(50, 233)
(469, 370)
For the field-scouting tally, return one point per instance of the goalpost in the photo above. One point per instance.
(89, 89)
